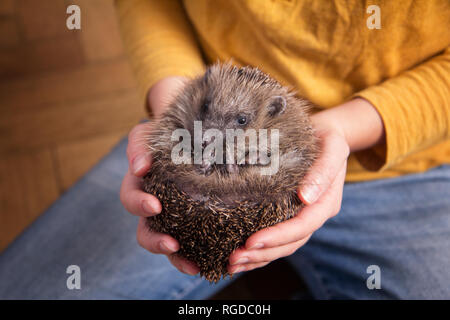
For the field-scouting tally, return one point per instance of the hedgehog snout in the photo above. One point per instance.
(207, 165)
(209, 162)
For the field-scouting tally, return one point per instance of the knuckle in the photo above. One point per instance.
(134, 137)
(139, 239)
(147, 245)
(131, 135)
(123, 197)
(246, 268)
(337, 208)
(131, 153)
(175, 262)
(292, 250)
(257, 257)
(336, 212)
(121, 191)
(135, 130)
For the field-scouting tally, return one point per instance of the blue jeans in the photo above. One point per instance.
(401, 225)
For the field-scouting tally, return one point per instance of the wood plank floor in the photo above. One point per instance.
(63, 93)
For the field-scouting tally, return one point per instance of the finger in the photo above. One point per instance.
(155, 242)
(163, 93)
(246, 267)
(242, 256)
(183, 265)
(308, 220)
(135, 200)
(138, 152)
(334, 152)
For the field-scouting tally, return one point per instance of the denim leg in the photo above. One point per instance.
(88, 227)
(402, 225)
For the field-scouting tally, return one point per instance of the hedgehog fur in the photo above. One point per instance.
(213, 211)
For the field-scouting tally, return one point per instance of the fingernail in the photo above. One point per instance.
(238, 269)
(167, 247)
(139, 163)
(258, 245)
(241, 261)
(149, 207)
(310, 193)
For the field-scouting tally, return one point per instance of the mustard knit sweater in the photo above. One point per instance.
(326, 51)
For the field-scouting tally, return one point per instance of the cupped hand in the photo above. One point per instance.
(321, 192)
(352, 126)
(139, 202)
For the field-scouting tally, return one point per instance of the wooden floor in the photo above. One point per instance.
(66, 98)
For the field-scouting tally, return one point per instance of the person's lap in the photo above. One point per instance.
(402, 225)
(89, 227)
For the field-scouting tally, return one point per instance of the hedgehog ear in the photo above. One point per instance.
(277, 106)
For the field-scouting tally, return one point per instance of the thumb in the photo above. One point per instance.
(334, 153)
(137, 151)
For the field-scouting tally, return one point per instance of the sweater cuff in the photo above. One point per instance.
(384, 155)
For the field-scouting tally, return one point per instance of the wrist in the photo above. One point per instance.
(357, 121)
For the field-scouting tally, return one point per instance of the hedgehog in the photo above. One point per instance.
(228, 155)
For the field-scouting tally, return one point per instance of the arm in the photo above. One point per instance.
(415, 108)
(405, 114)
(159, 40)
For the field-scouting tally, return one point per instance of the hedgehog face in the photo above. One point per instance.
(247, 102)
(230, 101)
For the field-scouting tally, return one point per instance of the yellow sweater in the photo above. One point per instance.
(325, 50)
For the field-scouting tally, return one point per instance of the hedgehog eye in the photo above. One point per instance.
(241, 120)
(204, 107)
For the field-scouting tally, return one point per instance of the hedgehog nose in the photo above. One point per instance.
(205, 168)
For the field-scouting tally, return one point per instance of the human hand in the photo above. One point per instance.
(322, 194)
(353, 126)
(139, 202)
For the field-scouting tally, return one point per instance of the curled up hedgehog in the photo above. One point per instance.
(227, 158)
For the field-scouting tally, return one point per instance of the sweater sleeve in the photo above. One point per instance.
(159, 40)
(415, 108)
